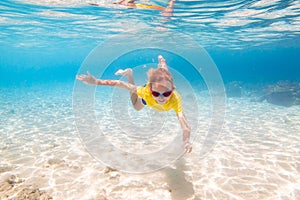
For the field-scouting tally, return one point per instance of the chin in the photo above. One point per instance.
(161, 102)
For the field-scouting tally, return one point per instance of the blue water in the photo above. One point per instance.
(49, 41)
(255, 43)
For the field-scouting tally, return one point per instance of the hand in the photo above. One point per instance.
(88, 79)
(188, 147)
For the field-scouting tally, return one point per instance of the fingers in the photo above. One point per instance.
(81, 77)
(188, 147)
(88, 79)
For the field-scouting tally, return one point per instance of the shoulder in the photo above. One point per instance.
(143, 90)
(175, 102)
(176, 95)
(175, 98)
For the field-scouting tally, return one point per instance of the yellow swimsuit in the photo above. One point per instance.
(173, 103)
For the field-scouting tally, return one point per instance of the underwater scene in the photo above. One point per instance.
(150, 99)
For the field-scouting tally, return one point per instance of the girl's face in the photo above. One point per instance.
(161, 88)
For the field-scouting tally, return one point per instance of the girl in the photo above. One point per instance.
(159, 93)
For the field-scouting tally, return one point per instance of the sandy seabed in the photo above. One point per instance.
(256, 156)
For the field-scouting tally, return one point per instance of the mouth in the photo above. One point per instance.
(161, 101)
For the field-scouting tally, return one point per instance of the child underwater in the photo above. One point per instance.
(159, 93)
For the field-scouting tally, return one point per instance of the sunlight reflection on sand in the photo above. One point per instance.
(256, 157)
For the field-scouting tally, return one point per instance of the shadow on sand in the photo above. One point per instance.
(180, 187)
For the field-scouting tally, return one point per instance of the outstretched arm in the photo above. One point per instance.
(186, 132)
(89, 79)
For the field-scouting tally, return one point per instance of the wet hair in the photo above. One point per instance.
(159, 75)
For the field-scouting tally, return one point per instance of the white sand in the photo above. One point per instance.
(257, 155)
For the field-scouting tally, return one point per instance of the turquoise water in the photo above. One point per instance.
(50, 39)
(251, 136)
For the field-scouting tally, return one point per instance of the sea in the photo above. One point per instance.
(235, 64)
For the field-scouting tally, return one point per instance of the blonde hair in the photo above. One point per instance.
(159, 75)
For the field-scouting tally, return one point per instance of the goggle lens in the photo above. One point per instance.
(165, 94)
